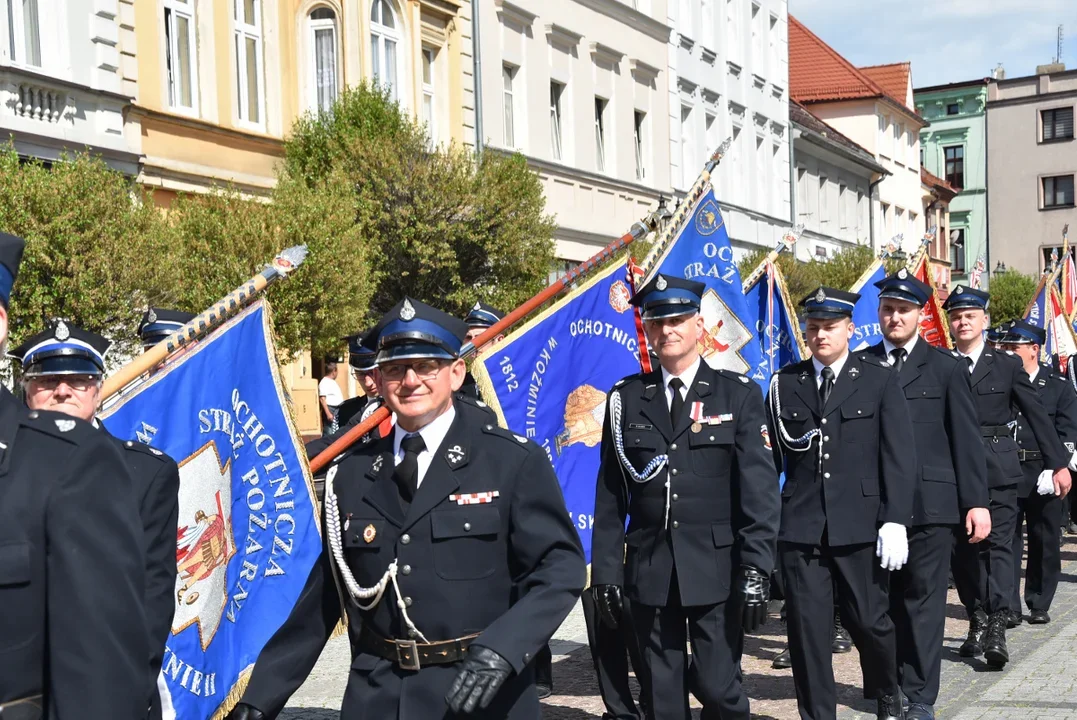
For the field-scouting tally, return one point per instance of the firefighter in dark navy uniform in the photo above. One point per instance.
(62, 371)
(983, 573)
(1038, 507)
(951, 490)
(448, 547)
(478, 320)
(158, 323)
(73, 640)
(685, 454)
(843, 435)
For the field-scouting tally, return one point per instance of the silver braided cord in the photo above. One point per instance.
(653, 467)
(336, 547)
(800, 444)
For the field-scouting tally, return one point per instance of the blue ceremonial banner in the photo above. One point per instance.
(776, 327)
(701, 252)
(1036, 312)
(248, 530)
(549, 381)
(866, 313)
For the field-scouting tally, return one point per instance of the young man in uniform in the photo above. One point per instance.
(1038, 506)
(448, 549)
(62, 371)
(685, 454)
(951, 487)
(73, 641)
(842, 434)
(983, 572)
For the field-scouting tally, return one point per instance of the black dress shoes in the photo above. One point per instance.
(890, 708)
(973, 645)
(994, 642)
(841, 643)
(1038, 617)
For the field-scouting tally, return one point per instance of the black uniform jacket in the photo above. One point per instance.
(1001, 389)
(156, 477)
(723, 491)
(865, 474)
(1060, 402)
(72, 577)
(461, 567)
(952, 474)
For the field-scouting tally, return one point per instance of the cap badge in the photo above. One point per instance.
(152, 316)
(478, 306)
(62, 333)
(661, 284)
(407, 312)
(65, 425)
(820, 296)
(960, 289)
(903, 273)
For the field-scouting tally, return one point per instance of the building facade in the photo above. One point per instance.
(874, 107)
(1031, 165)
(62, 88)
(954, 148)
(834, 178)
(579, 87)
(219, 84)
(729, 78)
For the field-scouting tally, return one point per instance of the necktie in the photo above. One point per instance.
(898, 355)
(968, 361)
(407, 472)
(676, 407)
(826, 386)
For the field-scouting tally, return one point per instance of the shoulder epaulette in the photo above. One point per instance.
(143, 449)
(947, 351)
(729, 374)
(518, 440)
(59, 425)
(873, 359)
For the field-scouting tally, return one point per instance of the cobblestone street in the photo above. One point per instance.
(1040, 681)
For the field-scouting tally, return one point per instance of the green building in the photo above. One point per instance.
(954, 147)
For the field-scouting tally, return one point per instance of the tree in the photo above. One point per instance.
(441, 226)
(1011, 292)
(840, 272)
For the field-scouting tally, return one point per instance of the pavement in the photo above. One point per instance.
(1040, 682)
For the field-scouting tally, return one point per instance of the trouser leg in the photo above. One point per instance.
(809, 612)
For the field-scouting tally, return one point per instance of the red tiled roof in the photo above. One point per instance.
(892, 78)
(936, 182)
(818, 73)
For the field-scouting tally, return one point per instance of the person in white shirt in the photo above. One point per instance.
(329, 398)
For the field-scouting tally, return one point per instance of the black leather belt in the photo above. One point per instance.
(1029, 455)
(410, 655)
(27, 708)
(993, 431)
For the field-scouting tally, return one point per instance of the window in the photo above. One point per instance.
(180, 54)
(429, 106)
(710, 122)
(639, 141)
(248, 42)
(323, 45)
(706, 22)
(957, 254)
(688, 150)
(385, 38)
(600, 134)
(895, 152)
(733, 34)
(953, 109)
(1052, 255)
(955, 165)
(25, 32)
(1058, 191)
(884, 135)
(820, 252)
(923, 156)
(559, 270)
(1057, 124)
(843, 207)
(508, 101)
(556, 91)
(885, 210)
(824, 206)
(802, 192)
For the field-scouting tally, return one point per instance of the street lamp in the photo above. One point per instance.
(1000, 269)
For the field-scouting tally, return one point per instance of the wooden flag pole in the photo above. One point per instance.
(227, 307)
(786, 243)
(639, 230)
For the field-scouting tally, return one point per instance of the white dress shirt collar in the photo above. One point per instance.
(975, 355)
(687, 377)
(433, 434)
(890, 347)
(836, 366)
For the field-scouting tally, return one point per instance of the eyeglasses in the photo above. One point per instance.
(49, 383)
(360, 374)
(423, 369)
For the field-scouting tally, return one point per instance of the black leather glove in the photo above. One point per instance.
(243, 711)
(482, 675)
(754, 591)
(609, 603)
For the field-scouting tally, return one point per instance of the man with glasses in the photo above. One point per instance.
(73, 639)
(62, 371)
(1038, 504)
(449, 552)
(983, 572)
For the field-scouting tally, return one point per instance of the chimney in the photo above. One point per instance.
(1050, 68)
(999, 73)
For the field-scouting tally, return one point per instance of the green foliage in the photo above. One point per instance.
(441, 226)
(840, 272)
(1011, 292)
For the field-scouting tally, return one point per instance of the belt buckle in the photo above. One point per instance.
(407, 655)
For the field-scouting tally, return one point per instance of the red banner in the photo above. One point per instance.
(933, 327)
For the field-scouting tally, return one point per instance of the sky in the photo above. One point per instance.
(946, 40)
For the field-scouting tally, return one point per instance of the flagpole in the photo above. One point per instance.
(224, 309)
(786, 243)
(638, 231)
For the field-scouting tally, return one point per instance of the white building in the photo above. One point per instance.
(729, 78)
(579, 87)
(61, 85)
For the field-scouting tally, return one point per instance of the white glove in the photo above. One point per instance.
(892, 547)
(1045, 483)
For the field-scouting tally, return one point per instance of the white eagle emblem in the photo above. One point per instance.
(661, 284)
(65, 425)
(61, 333)
(407, 311)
